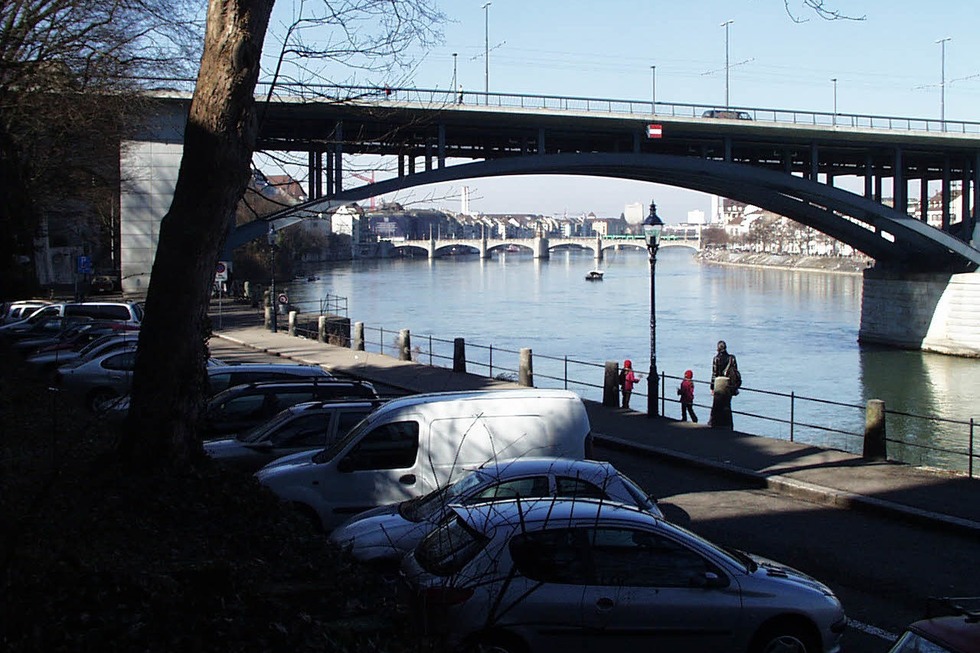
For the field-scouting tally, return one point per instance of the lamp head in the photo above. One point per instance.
(652, 227)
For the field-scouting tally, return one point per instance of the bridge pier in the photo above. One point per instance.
(598, 249)
(936, 312)
(541, 247)
(484, 250)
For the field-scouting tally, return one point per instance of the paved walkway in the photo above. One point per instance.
(824, 476)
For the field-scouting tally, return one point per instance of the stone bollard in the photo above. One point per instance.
(610, 385)
(404, 345)
(459, 355)
(291, 329)
(357, 343)
(525, 373)
(321, 329)
(268, 318)
(874, 431)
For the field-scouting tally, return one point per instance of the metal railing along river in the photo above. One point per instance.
(790, 416)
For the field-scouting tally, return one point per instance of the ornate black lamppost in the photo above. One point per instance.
(652, 227)
(273, 301)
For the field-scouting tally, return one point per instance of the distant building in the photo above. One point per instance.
(635, 212)
(696, 217)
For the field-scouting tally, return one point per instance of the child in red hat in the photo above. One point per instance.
(627, 379)
(686, 392)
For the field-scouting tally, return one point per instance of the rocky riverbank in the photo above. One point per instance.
(835, 264)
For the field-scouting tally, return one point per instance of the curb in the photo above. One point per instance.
(802, 490)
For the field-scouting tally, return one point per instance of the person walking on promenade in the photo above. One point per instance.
(725, 381)
(686, 392)
(627, 379)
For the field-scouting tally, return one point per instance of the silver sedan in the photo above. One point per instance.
(383, 535)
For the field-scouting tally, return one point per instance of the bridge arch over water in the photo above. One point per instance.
(891, 237)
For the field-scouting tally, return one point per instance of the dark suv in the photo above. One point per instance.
(303, 427)
(726, 113)
(242, 407)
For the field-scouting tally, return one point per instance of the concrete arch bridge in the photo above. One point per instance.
(541, 246)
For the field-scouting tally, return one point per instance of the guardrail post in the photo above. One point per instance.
(525, 374)
(610, 384)
(874, 430)
(291, 330)
(459, 355)
(321, 328)
(358, 342)
(404, 345)
(792, 414)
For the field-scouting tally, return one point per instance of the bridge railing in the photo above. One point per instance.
(428, 98)
(920, 440)
(614, 106)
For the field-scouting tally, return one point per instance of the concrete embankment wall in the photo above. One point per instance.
(931, 312)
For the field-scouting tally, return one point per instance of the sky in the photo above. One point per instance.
(781, 55)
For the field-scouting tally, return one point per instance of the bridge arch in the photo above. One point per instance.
(889, 236)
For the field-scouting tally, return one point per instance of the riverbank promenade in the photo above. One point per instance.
(828, 477)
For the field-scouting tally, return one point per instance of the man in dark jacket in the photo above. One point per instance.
(724, 371)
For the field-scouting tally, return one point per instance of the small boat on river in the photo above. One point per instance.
(594, 275)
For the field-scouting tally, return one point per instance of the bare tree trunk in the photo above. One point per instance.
(218, 143)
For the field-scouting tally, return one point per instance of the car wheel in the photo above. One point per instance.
(497, 643)
(784, 638)
(98, 397)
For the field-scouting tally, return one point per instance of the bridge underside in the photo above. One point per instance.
(891, 237)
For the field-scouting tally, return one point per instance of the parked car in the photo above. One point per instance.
(239, 408)
(131, 312)
(726, 113)
(303, 427)
(382, 536)
(18, 310)
(582, 574)
(953, 626)
(43, 327)
(414, 445)
(103, 283)
(46, 361)
(71, 339)
(102, 377)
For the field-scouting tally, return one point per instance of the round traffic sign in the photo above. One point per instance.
(221, 267)
(283, 298)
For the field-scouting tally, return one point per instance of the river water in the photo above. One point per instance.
(793, 332)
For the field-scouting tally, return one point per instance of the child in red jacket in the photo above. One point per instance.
(686, 392)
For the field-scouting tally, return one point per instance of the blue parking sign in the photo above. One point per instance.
(85, 265)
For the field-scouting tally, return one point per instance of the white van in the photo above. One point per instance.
(413, 445)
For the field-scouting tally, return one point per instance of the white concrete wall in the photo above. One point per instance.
(938, 312)
(148, 167)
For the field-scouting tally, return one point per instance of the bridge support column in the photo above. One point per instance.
(432, 246)
(598, 248)
(484, 251)
(541, 247)
(925, 311)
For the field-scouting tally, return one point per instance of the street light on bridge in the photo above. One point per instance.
(652, 228)
(942, 82)
(486, 51)
(726, 25)
(834, 80)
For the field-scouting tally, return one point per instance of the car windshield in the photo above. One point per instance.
(641, 498)
(449, 547)
(910, 642)
(427, 506)
(260, 432)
